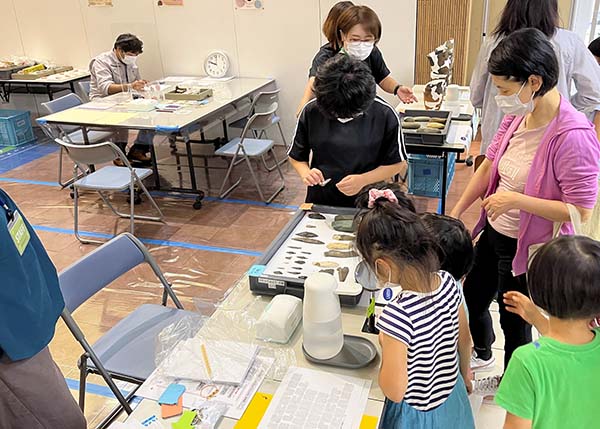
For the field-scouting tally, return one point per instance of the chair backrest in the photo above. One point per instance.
(84, 88)
(99, 153)
(263, 101)
(63, 103)
(98, 269)
(260, 121)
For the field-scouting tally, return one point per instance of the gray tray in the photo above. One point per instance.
(357, 352)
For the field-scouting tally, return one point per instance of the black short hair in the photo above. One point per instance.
(525, 53)
(564, 278)
(129, 43)
(455, 246)
(344, 87)
(594, 47)
(404, 200)
(518, 14)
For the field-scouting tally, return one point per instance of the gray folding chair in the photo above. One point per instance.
(248, 148)
(70, 134)
(108, 179)
(84, 88)
(260, 104)
(126, 352)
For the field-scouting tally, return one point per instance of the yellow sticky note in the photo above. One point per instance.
(115, 118)
(77, 116)
(369, 422)
(255, 411)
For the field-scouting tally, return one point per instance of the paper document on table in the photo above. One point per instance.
(98, 105)
(221, 362)
(198, 393)
(310, 399)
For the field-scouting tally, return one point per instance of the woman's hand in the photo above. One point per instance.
(351, 185)
(501, 202)
(406, 95)
(313, 177)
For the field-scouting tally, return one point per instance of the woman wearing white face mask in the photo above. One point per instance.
(544, 156)
(356, 32)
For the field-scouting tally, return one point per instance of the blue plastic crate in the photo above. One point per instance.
(425, 174)
(15, 128)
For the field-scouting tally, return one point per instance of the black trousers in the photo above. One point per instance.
(492, 276)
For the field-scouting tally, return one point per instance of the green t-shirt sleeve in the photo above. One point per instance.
(516, 392)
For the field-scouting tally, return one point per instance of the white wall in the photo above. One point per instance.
(279, 41)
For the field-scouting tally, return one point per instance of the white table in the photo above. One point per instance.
(229, 98)
(241, 298)
(52, 84)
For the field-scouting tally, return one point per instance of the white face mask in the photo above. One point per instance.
(344, 120)
(360, 50)
(388, 284)
(130, 60)
(512, 104)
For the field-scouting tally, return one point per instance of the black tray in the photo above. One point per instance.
(417, 137)
(265, 284)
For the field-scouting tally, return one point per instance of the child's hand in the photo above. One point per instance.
(520, 304)
(468, 379)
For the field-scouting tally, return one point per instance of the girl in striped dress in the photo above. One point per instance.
(423, 329)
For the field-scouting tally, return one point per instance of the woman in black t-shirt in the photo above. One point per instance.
(355, 33)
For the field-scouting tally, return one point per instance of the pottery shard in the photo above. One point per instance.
(340, 254)
(408, 119)
(307, 234)
(326, 264)
(411, 125)
(438, 120)
(328, 271)
(343, 237)
(436, 125)
(422, 119)
(308, 240)
(343, 273)
(343, 225)
(339, 246)
(316, 216)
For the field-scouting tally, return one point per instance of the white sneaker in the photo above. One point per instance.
(487, 387)
(480, 365)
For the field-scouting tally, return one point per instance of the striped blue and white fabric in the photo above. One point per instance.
(428, 324)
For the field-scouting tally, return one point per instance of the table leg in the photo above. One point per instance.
(225, 131)
(155, 167)
(72, 85)
(444, 180)
(190, 158)
(50, 96)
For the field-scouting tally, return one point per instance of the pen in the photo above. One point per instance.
(206, 362)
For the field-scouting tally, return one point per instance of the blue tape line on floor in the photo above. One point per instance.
(154, 241)
(28, 182)
(19, 157)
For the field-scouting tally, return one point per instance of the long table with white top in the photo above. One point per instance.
(240, 298)
(229, 97)
(48, 85)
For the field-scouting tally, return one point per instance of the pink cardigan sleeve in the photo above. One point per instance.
(576, 165)
(498, 137)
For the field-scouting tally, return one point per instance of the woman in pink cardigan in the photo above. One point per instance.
(545, 155)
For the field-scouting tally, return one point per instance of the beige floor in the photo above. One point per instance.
(199, 275)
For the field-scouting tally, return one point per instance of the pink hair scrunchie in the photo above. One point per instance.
(375, 194)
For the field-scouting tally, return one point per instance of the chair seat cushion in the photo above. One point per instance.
(253, 147)
(93, 136)
(129, 347)
(111, 178)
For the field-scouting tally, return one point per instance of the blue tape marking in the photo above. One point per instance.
(153, 241)
(28, 182)
(94, 389)
(41, 121)
(225, 200)
(165, 129)
(19, 157)
(257, 270)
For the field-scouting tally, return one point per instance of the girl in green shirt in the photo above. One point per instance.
(552, 383)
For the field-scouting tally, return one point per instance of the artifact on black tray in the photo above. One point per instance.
(307, 234)
(343, 273)
(314, 215)
(326, 264)
(308, 240)
(343, 237)
(328, 271)
(340, 254)
(339, 246)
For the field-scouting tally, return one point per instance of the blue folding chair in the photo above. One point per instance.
(84, 87)
(70, 133)
(126, 352)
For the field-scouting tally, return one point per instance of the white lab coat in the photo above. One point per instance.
(106, 69)
(577, 66)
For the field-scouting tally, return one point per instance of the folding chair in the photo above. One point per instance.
(84, 88)
(262, 103)
(126, 352)
(248, 148)
(70, 134)
(110, 178)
